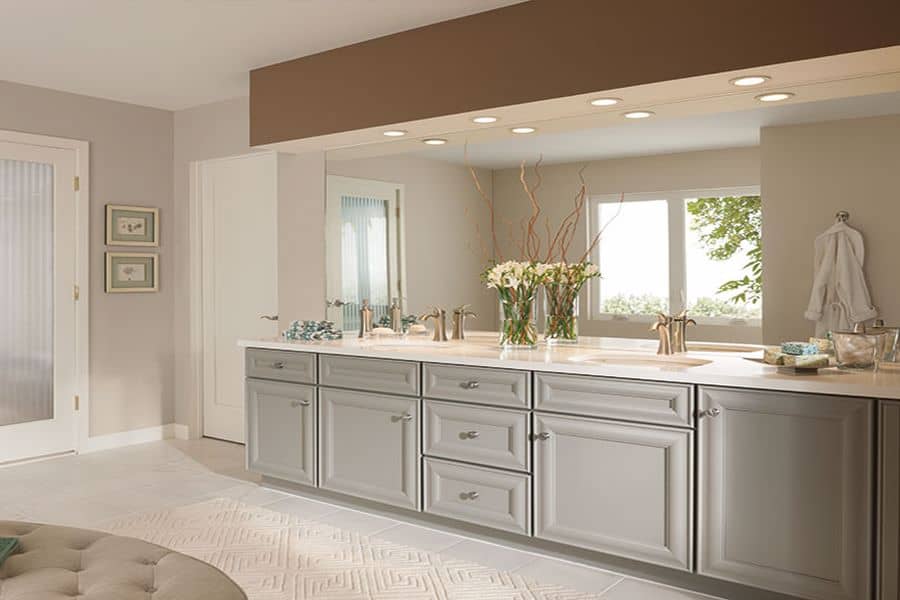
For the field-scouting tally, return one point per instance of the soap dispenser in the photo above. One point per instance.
(365, 319)
(396, 316)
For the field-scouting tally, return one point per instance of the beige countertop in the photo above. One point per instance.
(704, 363)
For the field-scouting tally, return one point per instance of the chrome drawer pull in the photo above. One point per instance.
(469, 385)
(468, 435)
(469, 496)
(278, 365)
(296, 403)
(711, 412)
(542, 436)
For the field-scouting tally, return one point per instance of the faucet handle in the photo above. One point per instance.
(434, 314)
(463, 309)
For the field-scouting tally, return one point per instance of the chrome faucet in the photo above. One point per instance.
(439, 316)
(679, 331)
(663, 327)
(459, 321)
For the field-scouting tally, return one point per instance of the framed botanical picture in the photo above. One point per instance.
(129, 272)
(132, 225)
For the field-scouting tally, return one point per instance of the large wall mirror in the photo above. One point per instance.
(684, 208)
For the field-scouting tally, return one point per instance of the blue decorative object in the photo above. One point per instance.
(405, 322)
(311, 331)
(799, 348)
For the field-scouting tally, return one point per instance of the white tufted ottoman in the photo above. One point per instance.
(58, 563)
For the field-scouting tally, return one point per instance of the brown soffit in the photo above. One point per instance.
(546, 49)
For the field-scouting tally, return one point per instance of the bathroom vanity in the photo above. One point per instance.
(703, 463)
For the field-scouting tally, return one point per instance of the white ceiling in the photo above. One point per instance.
(174, 54)
(661, 136)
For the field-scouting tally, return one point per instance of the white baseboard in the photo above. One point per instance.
(128, 438)
(182, 432)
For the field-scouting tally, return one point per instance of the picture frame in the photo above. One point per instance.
(132, 225)
(132, 272)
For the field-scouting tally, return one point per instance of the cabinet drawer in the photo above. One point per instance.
(492, 436)
(370, 374)
(281, 365)
(483, 386)
(662, 403)
(478, 495)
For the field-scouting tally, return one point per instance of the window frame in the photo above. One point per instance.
(676, 202)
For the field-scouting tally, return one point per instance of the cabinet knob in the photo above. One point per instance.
(469, 495)
(542, 436)
(715, 411)
(470, 385)
(469, 435)
(278, 365)
(296, 403)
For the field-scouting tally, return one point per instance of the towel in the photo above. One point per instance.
(8, 545)
(840, 297)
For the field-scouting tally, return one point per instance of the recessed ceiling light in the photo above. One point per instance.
(523, 129)
(434, 141)
(484, 120)
(605, 101)
(638, 114)
(775, 96)
(750, 80)
(394, 133)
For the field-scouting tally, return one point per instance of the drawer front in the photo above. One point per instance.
(491, 436)
(483, 386)
(369, 374)
(281, 365)
(662, 403)
(478, 495)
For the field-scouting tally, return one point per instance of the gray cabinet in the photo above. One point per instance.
(614, 487)
(499, 387)
(479, 495)
(281, 365)
(369, 446)
(369, 374)
(889, 502)
(785, 492)
(281, 430)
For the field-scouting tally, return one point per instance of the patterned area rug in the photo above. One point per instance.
(275, 556)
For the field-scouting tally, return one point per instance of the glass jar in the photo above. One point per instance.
(888, 352)
(560, 314)
(518, 326)
(857, 350)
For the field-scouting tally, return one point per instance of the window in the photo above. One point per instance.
(667, 251)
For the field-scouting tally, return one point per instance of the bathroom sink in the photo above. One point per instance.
(639, 360)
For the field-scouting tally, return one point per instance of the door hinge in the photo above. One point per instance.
(77, 402)
(76, 183)
(76, 292)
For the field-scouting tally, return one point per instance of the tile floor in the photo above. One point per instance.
(88, 490)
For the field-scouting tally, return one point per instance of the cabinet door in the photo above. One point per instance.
(889, 515)
(786, 492)
(615, 488)
(281, 430)
(369, 446)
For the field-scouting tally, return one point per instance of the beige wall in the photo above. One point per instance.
(682, 171)
(442, 206)
(809, 172)
(131, 365)
(218, 130)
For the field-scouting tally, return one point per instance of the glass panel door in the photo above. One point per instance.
(26, 302)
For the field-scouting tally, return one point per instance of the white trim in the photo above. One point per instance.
(82, 268)
(181, 432)
(129, 438)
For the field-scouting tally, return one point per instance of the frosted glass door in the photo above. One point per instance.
(37, 307)
(26, 304)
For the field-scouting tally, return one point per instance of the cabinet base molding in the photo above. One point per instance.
(541, 548)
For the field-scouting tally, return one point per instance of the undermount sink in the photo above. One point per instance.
(701, 347)
(634, 360)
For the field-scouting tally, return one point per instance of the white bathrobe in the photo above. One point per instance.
(839, 296)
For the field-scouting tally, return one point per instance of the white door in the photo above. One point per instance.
(37, 306)
(363, 248)
(239, 247)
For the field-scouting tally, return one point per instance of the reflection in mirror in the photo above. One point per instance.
(679, 203)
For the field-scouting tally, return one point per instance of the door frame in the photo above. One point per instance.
(82, 288)
(196, 341)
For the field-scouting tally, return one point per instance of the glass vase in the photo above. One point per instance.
(518, 327)
(561, 314)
